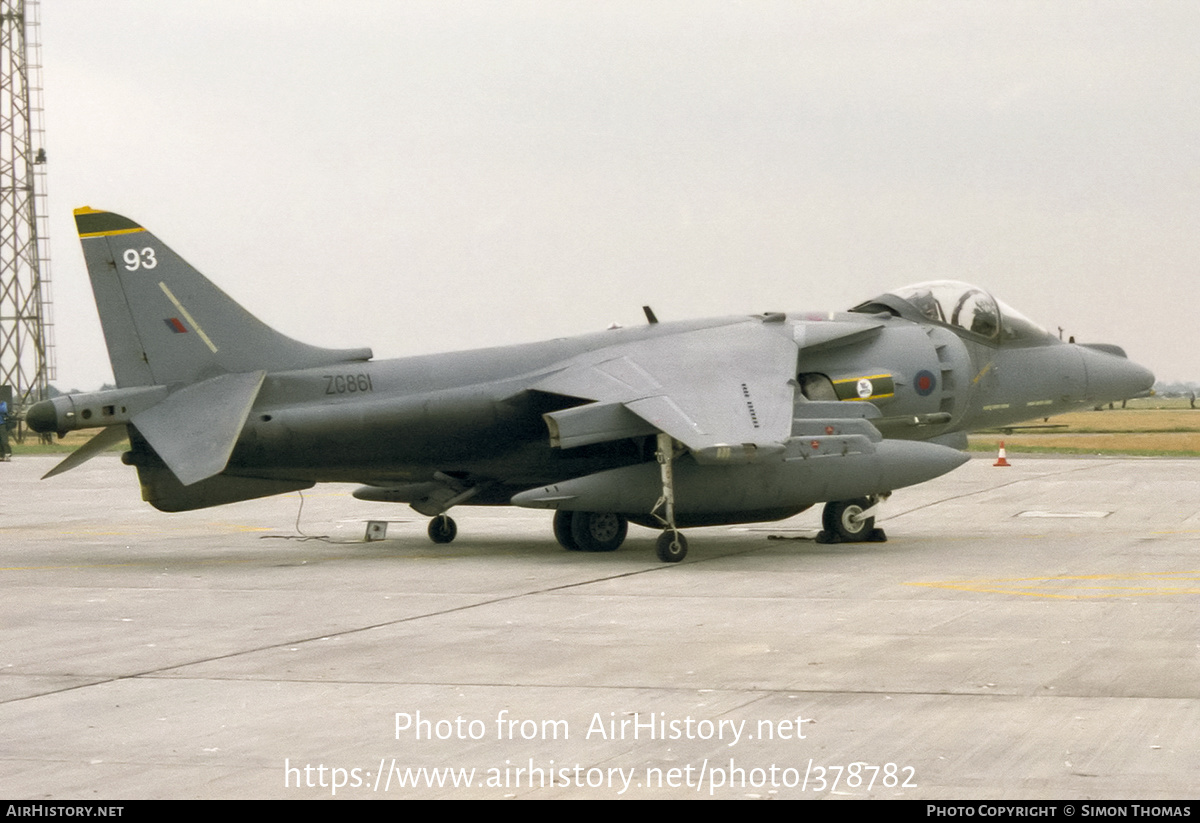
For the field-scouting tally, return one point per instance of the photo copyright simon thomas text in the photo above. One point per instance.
(706, 775)
(1058, 810)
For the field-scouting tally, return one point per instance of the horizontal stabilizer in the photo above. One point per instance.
(103, 440)
(195, 429)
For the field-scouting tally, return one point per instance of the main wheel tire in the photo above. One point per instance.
(841, 519)
(598, 531)
(562, 531)
(671, 547)
(442, 529)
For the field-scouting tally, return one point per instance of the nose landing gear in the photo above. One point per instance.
(851, 521)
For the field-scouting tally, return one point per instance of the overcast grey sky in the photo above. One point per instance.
(424, 176)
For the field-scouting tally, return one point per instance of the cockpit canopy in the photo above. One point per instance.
(960, 306)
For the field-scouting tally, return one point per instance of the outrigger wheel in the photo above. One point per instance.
(844, 522)
(671, 546)
(442, 529)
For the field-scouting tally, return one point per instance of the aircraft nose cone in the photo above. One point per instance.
(1142, 377)
(42, 417)
(1113, 377)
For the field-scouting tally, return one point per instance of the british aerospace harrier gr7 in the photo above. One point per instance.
(668, 425)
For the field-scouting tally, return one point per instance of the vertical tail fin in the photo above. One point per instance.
(166, 323)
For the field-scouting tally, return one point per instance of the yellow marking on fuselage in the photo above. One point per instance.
(188, 317)
(982, 372)
(864, 377)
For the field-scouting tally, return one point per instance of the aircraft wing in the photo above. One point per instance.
(725, 392)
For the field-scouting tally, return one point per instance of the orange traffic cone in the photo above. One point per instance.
(1002, 461)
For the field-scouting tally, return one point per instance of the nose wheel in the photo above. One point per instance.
(851, 521)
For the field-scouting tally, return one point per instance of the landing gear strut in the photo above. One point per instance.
(851, 521)
(671, 546)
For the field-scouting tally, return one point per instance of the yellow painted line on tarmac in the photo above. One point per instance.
(1080, 587)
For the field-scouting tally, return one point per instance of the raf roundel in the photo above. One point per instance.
(925, 383)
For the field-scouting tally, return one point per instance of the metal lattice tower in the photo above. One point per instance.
(26, 346)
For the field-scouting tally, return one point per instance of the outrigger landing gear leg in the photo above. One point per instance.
(450, 493)
(671, 546)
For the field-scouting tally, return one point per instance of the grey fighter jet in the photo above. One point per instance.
(668, 425)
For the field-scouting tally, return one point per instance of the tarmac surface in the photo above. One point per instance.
(1027, 632)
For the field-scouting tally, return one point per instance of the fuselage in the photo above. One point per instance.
(724, 420)
(471, 413)
(480, 426)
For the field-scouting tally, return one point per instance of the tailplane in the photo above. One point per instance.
(189, 363)
(166, 323)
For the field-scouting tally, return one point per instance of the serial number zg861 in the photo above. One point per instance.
(347, 383)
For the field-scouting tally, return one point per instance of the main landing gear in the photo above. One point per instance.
(851, 521)
(590, 531)
(575, 531)
(605, 531)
